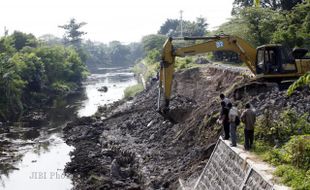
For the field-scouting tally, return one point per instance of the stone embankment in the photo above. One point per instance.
(233, 168)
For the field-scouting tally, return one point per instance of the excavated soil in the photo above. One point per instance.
(128, 145)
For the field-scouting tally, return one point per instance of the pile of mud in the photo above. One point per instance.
(128, 145)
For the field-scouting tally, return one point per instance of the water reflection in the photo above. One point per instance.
(46, 159)
(38, 146)
(115, 82)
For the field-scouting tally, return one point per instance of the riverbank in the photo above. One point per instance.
(156, 151)
(27, 145)
(139, 149)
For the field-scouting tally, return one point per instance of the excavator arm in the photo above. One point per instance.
(214, 43)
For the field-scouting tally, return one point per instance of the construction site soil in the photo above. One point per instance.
(129, 145)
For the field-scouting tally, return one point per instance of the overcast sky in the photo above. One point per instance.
(107, 20)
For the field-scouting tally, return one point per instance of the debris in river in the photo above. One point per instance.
(103, 89)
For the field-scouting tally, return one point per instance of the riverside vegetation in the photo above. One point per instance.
(32, 72)
(285, 143)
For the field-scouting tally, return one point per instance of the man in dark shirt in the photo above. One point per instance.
(248, 117)
(224, 119)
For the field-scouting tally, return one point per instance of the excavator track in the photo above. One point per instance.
(254, 87)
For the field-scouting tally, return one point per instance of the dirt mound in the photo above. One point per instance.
(156, 151)
(128, 145)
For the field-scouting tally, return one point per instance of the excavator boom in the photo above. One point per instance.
(214, 43)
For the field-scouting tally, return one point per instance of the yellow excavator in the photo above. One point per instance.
(270, 62)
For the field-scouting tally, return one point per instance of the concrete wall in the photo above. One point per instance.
(231, 168)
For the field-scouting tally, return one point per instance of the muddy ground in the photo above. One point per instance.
(128, 145)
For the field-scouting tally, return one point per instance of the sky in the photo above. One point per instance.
(107, 20)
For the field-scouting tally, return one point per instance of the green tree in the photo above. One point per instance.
(77, 68)
(169, 27)
(21, 40)
(196, 28)
(61, 64)
(153, 41)
(10, 89)
(6, 45)
(73, 35)
(30, 68)
(172, 27)
(136, 52)
(50, 39)
(97, 55)
(201, 26)
(119, 53)
(261, 24)
(295, 29)
(272, 4)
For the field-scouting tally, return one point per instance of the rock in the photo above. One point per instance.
(201, 60)
(103, 89)
(115, 169)
(134, 186)
(118, 183)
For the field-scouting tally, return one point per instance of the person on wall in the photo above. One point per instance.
(234, 121)
(248, 117)
(224, 120)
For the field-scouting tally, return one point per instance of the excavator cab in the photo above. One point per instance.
(274, 59)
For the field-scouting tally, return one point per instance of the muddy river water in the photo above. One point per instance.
(42, 153)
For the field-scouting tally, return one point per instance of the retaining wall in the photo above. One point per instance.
(232, 168)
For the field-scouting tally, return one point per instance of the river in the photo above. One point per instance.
(40, 152)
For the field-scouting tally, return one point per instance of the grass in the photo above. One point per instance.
(131, 91)
(285, 143)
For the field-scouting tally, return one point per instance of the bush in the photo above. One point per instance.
(278, 131)
(302, 81)
(297, 152)
(60, 87)
(292, 160)
(133, 90)
(296, 178)
(284, 141)
(182, 63)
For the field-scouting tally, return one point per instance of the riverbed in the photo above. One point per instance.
(38, 151)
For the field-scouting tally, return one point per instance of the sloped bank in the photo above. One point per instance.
(128, 145)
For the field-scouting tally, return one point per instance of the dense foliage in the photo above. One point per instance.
(31, 72)
(110, 55)
(153, 44)
(172, 27)
(301, 82)
(268, 24)
(273, 4)
(73, 35)
(98, 55)
(284, 141)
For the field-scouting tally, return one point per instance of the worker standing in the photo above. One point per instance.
(225, 120)
(248, 117)
(226, 100)
(232, 116)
